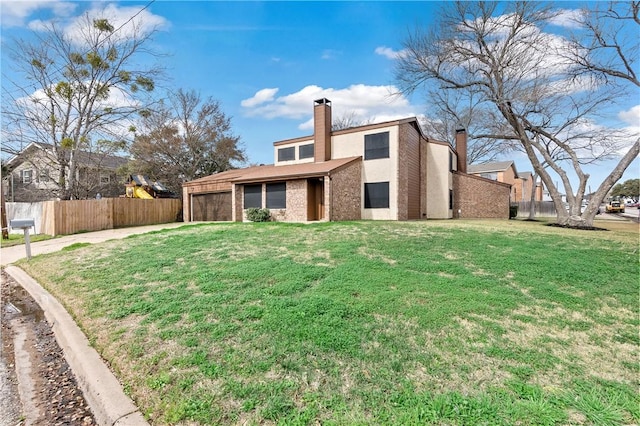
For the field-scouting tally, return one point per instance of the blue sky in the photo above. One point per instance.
(267, 61)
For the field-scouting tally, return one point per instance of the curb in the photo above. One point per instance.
(104, 394)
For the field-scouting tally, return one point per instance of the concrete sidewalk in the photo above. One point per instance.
(12, 254)
(101, 389)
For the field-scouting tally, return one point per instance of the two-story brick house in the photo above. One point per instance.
(383, 171)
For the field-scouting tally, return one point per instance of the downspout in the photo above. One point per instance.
(191, 207)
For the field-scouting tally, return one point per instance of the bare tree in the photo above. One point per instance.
(450, 111)
(185, 138)
(348, 120)
(528, 84)
(84, 88)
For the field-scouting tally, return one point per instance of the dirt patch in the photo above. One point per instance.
(55, 397)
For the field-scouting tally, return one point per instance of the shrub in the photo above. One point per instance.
(255, 214)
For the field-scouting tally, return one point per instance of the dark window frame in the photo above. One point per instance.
(373, 198)
(376, 145)
(254, 194)
(276, 195)
(287, 154)
(308, 153)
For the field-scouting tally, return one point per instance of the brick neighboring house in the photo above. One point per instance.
(505, 171)
(383, 171)
(34, 174)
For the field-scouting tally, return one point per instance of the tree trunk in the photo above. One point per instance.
(532, 204)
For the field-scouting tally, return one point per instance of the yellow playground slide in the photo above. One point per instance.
(141, 193)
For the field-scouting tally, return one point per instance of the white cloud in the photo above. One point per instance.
(361, 102)
(631, 116)
(15, 13)
(389, 53)
(261, 96)
(127, 20)
(568, 18)
(330, 54)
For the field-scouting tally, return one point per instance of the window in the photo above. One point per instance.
(451, 199)
(104, 178)
(492, 176)
(376, 146)
(450, 162)
(287, 154)
(252, 196)
(305, 151)
(277, 195)
(27, 176)
(43, 176)
(376, 195)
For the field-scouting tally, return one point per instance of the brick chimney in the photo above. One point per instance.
(461, 149)
(322, 130)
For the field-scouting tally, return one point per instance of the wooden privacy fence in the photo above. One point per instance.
(543, 208)
(70, 217)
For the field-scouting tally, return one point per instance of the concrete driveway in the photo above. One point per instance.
(12, 254)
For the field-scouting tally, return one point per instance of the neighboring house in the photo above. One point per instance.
(505, 171)
(525, 184)
(34, 175)
(384, 171)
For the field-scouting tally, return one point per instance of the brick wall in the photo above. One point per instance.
(296, 210)
(476, 197)
(345, 193)
(409, 173)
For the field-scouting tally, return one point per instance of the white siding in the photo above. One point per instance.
(439, 181)
(378, 170)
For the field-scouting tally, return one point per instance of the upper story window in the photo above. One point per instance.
(376, 146)
(305, 151)
(26, 176)
(253, 196)
(277, 195)
(287, 154)
(104, 178)
(450, 161)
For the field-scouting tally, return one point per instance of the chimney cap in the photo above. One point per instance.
(322, 101)
(460, 129)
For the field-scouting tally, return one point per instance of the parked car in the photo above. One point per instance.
(615, 206)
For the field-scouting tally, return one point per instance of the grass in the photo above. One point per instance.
(17, 239)
(447, 322)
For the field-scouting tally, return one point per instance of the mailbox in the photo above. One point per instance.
(22, 223)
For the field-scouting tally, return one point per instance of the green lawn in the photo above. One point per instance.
(17, 239)
(438, 322)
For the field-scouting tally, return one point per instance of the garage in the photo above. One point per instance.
(211, 207)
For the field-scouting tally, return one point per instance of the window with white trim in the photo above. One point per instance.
(26, 176)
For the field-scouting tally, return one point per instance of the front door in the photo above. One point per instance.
(315, 199)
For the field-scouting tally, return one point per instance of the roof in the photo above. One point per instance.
(271, 173)
(524, 175)
(497, 166)
(142, 180)
(84, 157)
(410, 120)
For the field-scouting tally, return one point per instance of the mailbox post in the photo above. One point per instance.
(25, 225)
